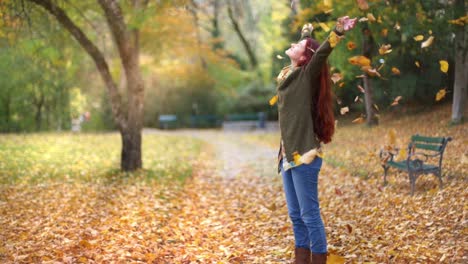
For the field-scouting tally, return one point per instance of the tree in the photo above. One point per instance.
(129, 116)
(460, 88)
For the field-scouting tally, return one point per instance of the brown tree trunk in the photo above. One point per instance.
(460, 89)
(368, 48)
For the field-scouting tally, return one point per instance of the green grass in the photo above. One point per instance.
(65, 157)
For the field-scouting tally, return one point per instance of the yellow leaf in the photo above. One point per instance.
(384, 32)
(419, 38)
(385, 49)
(273, 100)
(324, 26)
(344, 110)
(441, 94)
(444, 66)
(360, 61)
(334, 39)
(371, 17)
(361, 89)
(395, 71)
(334, 259)
(341, 84)
(279, 57)
(297, 158)
(397, 99)
(428, 42)
(417, 64)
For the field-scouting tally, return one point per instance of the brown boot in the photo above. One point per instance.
(319, 258)
(302, 256)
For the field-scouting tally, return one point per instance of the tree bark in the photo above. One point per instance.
(130, 121)
(460, 88)
(368, 48)
(250, 53)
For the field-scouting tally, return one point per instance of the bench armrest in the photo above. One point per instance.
(387, 155)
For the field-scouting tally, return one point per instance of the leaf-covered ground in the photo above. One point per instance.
(62, 199)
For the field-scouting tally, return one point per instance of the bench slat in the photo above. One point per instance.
(402, 165)
(428, 146)
(438, 140)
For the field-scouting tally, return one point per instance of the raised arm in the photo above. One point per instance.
(343, 25)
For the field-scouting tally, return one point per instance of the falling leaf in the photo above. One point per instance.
(360, 61)
(273, 100)
(444, 66)
(371, 17)
(363, 19)
(461, 21)
(428, 42)
(324, 26)
(361, 89)
(419, 38)
(417, 64)
(279, 57)
(333, 39)
(379, 19)
(395, 71)
(351, 45)
(441, 94)
(370, 71)
(297, 158)
(336, 77)
(385, 49)
(358, 120)
(384, 32)
(344, 110)
(397, 26)
(363, 5)
(376, 107)
(341, 84)
(356, 98)
(396, 101)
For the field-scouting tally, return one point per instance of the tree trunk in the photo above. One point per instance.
(368, 49)
(129, 119)
(460, 89)
(38, 116)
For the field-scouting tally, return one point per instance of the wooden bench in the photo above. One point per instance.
(416, 162)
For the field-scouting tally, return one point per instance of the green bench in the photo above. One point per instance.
(416, 163)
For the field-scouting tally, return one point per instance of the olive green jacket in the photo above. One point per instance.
(295, 104)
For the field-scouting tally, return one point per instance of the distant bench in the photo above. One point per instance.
(413, 164)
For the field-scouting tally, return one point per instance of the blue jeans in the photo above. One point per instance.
(300, 185)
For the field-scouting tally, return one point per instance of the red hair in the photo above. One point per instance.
(322, 100)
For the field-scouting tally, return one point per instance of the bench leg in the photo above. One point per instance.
(412, 178)
(439, 175)
(385, 175)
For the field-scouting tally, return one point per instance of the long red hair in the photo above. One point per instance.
(322, 111)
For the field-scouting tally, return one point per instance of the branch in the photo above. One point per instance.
(93, 51)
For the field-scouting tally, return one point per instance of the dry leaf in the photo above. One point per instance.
(396, 101)
(395, 71)
(351, 45)
(359, 120)
(417, 64)
(371, 17)
(273, 100)
(363, 19)
(385, 49)
(384, 32)
(341, 84)
(279, 57)
(397, 26)
(360, 61)
(363, 5)
(444, 66)
(344, 110)
(356, 98)
(336, 77)
(419, 38)
(428, 42)
(440, 94)
(361, 89)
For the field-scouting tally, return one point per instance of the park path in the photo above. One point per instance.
(233, 207)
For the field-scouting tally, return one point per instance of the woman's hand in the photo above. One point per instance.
(345, 23)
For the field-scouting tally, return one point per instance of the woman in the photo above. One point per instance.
(306, 120)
